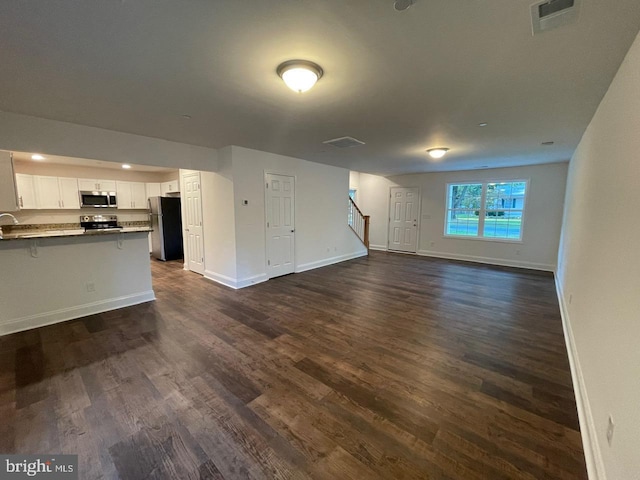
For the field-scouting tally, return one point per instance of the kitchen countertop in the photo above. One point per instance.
(71, 233)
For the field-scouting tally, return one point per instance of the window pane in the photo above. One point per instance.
(462, 222)
(464, 201)
(503, 224)
(506, 195)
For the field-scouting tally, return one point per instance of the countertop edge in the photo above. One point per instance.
(35, 236)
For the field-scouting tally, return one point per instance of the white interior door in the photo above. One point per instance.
(280, 214)
(403, 219)
(193, 223)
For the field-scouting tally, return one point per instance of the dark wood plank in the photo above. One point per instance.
(387, 366)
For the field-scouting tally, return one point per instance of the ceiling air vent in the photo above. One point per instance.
(553, 14)
(344, 142)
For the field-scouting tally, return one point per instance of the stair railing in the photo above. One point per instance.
(359, 223)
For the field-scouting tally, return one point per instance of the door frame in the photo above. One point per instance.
(419, 215)
(183, 207)
(264, 220)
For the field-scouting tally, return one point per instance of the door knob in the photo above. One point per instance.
(293, 230)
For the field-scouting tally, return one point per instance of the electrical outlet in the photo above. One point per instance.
(433, 244)
(91, 287)
(610, 428)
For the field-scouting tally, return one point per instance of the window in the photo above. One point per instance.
(491, 210)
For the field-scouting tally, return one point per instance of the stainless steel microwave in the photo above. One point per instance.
(98, 200)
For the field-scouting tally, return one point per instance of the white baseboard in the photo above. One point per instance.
(246, 282)
(590, 444)
(329, 261)
(378, 247)
(262, 277)
(64, 314)
(234, 283)
(489, 260)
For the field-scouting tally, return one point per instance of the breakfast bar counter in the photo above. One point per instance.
(52, 276)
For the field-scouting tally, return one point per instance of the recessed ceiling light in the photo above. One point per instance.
(37, 156)
(126, 166)
(186, 117)
(437, 152)
(548, 143)
(483, 124)
(299, 75)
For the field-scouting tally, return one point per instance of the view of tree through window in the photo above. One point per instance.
(486, 210)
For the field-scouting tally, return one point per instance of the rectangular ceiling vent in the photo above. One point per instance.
(344, 142)
(553, 14)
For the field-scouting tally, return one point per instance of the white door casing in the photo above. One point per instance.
(192, 197)
(403, 219)
(280, 227)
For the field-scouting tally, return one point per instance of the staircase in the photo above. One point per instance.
(359, 223)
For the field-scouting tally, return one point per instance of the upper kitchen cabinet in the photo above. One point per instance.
(90, 184)
(131, 195)
(170, 187)
(69, 194)
(26, 191)
(55, 192)
(8, 198)
(47, 192)
(154, 190)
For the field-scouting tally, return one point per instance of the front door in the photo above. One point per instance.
(280, 216)
(403, 219)
(193, 223)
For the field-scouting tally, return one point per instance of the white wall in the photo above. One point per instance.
(354, 180)
(542, 218)
(599, 272)
(23, 133)
(322, 234)
(219, 222)
(52, 287)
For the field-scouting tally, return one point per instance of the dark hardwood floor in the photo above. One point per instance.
(390, 366)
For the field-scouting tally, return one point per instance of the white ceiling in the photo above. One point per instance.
(400, 81)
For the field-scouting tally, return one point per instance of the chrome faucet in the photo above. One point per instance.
(15, 221)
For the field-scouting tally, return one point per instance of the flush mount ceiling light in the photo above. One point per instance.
(126, 166)
(299, 75)
(37, 156)
(437, 152)
(483, 124)
(402, 5)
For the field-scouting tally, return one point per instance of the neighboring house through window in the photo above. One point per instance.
(489, 210)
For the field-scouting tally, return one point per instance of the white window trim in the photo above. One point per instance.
(483, 205)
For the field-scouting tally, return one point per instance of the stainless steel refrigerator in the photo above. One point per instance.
(166, 222)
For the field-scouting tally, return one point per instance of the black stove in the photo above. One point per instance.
(99, 223)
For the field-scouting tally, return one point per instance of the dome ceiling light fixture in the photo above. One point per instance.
(402, 5)
(437, 152)
(299, 75)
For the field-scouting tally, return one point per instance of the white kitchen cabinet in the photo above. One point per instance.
(8, 198)
(47, 192)
(131, 195)
(26, 191)
(56, 193)
(154, 190)
(170, 187)
(69, 194)
(91, 184)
